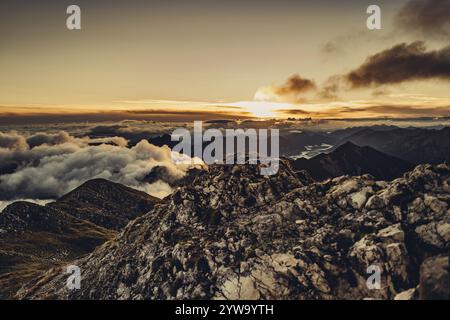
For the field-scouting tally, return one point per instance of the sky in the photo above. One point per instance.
(193, 60)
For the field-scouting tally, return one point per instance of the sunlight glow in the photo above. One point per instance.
(261, 109)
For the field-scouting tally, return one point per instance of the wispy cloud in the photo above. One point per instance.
(366, 109)
(293, 90)
(430, 18)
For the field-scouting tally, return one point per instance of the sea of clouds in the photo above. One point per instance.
(46, 166)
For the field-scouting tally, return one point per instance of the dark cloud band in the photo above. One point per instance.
(401, 63)
(429, 17)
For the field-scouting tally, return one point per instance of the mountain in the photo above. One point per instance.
(411, 144)
(105, 203)
(290, 143)
(343, 134)
(294, 143)
(349, 159)
(414, 145)
(234, 234)
(34, 238)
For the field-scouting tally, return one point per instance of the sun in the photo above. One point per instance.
(259, 109)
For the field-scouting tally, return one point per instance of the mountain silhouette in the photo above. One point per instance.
(350, 159)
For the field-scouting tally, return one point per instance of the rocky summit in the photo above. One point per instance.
(234, 234)
(105, 203)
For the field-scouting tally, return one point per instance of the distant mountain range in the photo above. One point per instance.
(385, 152)
(413, 145)
(34, 238)
(350, 159)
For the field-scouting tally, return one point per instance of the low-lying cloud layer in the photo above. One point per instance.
(46, 166)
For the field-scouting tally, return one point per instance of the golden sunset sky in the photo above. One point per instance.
(224, 59)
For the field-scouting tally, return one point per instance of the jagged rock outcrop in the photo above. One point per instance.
(105, 203)
(234, 234)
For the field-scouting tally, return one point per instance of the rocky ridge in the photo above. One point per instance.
(105, 203)
(234, 234)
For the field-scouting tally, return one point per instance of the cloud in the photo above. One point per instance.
(330, 88)
(331, 47)
(54, 164)
(12, 141)
(133, 133)
(431, 18)
(401, 63)
(292, 90)
(176, 115)
(49, 139)
(29, 116)
(293, 112)
(416, 19)
(406, 111)
(371, 110)
(296, 84)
